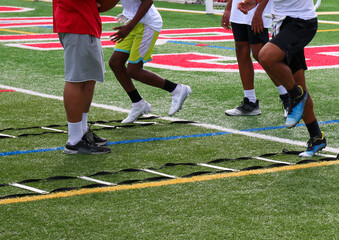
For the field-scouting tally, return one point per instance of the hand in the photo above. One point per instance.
(225, 20)
(122, 32)
(257, 23)
(246, 5)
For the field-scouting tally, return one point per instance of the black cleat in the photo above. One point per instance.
(91, 137)
(246, 108)
(286, 102)
(85, 147)
(314, 145)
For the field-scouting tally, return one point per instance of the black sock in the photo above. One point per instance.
(169, 86)
(134, 96)
(294, 92)
(313, 129)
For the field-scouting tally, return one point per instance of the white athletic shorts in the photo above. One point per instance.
(84, 60)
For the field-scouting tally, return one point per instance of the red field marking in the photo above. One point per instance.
(197, 35)
(15, 22)
(28, 37)
(4, 9)
(317, 57)
(216, 34)
(47, 46)
(6, 90)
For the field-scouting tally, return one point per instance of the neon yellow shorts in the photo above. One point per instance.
(138, 44)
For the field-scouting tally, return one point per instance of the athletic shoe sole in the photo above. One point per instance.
(236, 112)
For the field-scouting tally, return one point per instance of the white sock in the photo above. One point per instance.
(177, 89)
(74, 132)
(250, 94)
(282, 90)
(84, 122)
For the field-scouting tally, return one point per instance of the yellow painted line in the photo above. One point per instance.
(15, 31)
(165, 183)
(327, 13)
(329, 30)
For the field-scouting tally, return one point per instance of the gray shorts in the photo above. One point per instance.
(84, 60)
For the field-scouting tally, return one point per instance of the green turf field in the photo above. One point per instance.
(257, 192)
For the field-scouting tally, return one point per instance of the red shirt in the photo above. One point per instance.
(76, 16)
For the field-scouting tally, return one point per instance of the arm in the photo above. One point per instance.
(111, 5)
(247, 5)
(124, 30)
(257, 22)
(225, 20)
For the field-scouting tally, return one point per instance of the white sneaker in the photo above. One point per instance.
(138, 109)
(178, 98)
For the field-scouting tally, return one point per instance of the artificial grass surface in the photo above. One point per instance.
(295, 204)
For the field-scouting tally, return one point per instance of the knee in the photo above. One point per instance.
(131, 72)
(264, 59)
(115, 64)
(270, 55)
(255, 56)
(134, 71)
(242, 49)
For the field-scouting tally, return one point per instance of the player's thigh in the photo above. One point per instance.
(270, 54)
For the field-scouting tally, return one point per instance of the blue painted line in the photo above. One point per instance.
(158, 139)
(198, 44)
(30, 151)
(46, 27)
(328, 122)
(168, 138)
(280, 127)
(185, 43)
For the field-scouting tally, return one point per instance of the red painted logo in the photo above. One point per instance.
(16, 22)
(317, 57)
(4, 9)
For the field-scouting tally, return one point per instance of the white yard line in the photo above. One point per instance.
(203, 125)
(328, 22)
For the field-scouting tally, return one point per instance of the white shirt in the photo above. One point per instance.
(238, 17)
(303, 9)
(152, 18)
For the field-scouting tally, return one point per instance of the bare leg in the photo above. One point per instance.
(245, 64)
(255, 53)
(73, 101)
(88, 92)
(272, 59)
(117, 64)
(137, 72)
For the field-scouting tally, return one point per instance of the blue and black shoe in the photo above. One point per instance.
(314, 145)
(296, 109)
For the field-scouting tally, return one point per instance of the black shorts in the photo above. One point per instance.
(244, 33)
(294, 35)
